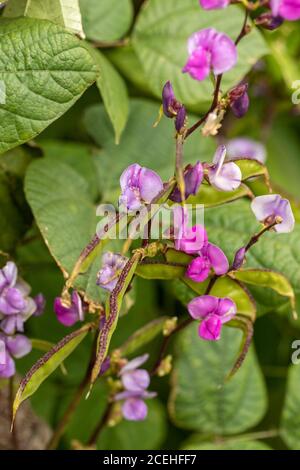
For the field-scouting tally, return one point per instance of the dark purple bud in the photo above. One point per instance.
(180, 119)
(239, 259)
(193, 177)
(268, 21)
(168, 100)
(239, 100)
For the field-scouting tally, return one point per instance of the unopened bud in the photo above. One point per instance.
(239, 259)
(268, 21)
(239, 100)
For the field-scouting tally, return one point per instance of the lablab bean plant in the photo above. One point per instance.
(48, 57)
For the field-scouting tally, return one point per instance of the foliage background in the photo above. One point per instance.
(138, 54)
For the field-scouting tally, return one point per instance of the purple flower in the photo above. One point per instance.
(239, 100)
(224, 176)
(112, 265)
(15, 304)
(186, 238)
(211, 257)
(12, 346)
(209, 50)
(287, 9)
(242, 147)
(69, 312)
(214, 4)
(135, 382)
(267, 209)
(213, 313)
(139, 185)
(193, 177)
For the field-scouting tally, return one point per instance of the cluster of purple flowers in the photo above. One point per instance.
(135, 383)
(16, 306)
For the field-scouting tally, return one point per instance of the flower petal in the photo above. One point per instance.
(134, 409)
(150, 184)
(217, 259)
(198, 270)
(136, 380)
(228, 178)
(198, 64)
(224, 54)
(18, 345)
(210, 328)
(8, 369)
(226, 309)
(202, 306)
(135, 363)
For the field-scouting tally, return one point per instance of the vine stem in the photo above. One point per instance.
(179, 166)
(100, 426)
(244, 31)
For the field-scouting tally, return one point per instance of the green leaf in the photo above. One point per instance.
(232, 444)
(251, 168)
(66, 216)
(127, 62)
(160, 40)
(267, 278)
(143, 336)
(79, 156)
(114, 94)
(141, 143)
(66, 13)
(290, 422)
(42, 81)
(209, 405)
(47, 364)
(106, 20)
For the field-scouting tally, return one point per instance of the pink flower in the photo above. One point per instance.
(287, 9)
(211, 257)
(213, 313)
(68, 313)
(214, 4)
(209, 50)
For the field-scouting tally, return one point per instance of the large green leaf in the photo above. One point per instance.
(160, 40)
(114, 94)
(42, 77)
(290, 423)
(200, 400)
(106, 20)
(63, 12)
(141, 143)
(66, 216)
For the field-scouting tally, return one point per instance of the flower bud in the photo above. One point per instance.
(193, 177)
(268, 21)
(239, 259)
(239, 100)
